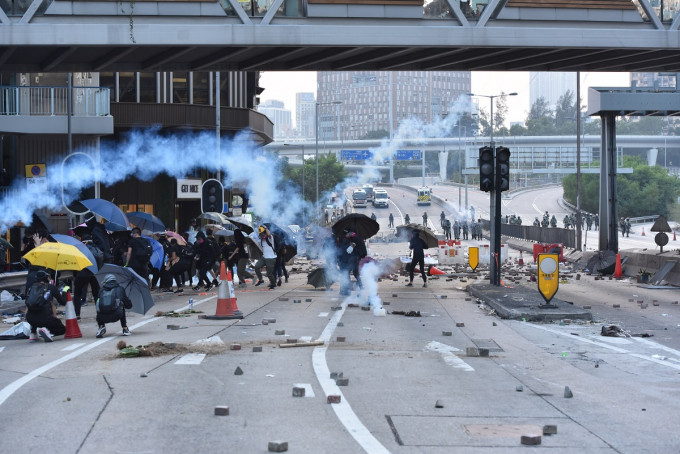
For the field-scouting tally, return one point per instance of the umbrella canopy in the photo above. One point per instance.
(284, 236)
(6, 243)
(242, 224)
(136, 287)
(58, 256)
(81, 247)
(214, 216)
(424, 233)
(364, 226)
(146, 221)
(225, 233)
(180, 239)
(158, 253)
(254, 249)
(113, 227)
(600, 261)
(318, 278)
(40, 219)
(108, 211)
(213, 227)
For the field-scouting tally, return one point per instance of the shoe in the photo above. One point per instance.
(84, 303)
(126, 332)
(259, 283)
(33, 337)
(208, 287)
(410, 284)
(272, 287)
(196, 288)
(78, 318)
(278, 283)
(425, 284)
(179, 290)
(286, 279)
(167, 290)
(45, 334)
(100, 332)
(215, 283)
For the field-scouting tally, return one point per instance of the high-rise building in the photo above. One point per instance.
(550, 86)
(279, 115)
(353, 104)
(304, 115)
(660, 80)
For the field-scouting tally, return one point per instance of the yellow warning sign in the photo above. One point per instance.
(473, 257)
(548, 275)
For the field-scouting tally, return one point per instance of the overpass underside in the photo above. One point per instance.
(295, 35)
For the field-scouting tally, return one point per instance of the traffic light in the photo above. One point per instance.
(486, 169)
(503, 168)
(212, 196)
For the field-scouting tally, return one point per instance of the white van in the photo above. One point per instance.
(359, 198)
(381, 199)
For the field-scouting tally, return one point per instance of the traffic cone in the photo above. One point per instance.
(72, 328)
(226, 298)
(617, 270)
(643, 231)
(521, 258)
(434, 271)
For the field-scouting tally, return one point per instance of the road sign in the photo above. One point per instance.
(473, 257)
(548, 275)
(355, 155)
(407, 155)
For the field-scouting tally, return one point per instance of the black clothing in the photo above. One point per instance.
(119, 312)
(45, 318)
(418, 246)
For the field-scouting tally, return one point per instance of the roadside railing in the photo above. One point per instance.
(550, 235)
(53, 101)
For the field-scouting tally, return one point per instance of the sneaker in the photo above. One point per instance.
(101, 331)
(167, 290)
(33, 337)
(196, 288)
(208, 287)
(126, 332)
(410, 284)
(215, 283)
(278, 283)
(179, 290)
(272, 287)
(425, 284)
(45, 334)
(259, 283)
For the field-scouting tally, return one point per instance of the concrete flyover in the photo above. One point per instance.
(509, 35)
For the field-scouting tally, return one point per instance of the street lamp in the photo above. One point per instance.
(316, 154)
(495, 207)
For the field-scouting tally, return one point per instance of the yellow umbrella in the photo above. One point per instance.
(58, 256)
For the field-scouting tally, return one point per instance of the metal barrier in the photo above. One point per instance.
(52, 101)
(567, 237)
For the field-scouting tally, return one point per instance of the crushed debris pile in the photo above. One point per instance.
(161, 349)
(407, 314)
(185, 313)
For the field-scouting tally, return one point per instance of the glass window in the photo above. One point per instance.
(127, 87)
(180, 87)
(201, 89)
(147, 87)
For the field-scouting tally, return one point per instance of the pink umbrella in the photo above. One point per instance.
(180, 239)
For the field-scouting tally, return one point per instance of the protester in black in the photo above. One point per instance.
(41, 313)
(136, 257)
(417, 245)
(111, 305)
(206, 260)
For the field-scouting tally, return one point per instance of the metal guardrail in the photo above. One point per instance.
(53, 101)
(550, 235)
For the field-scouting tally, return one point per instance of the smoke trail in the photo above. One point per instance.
(147, 154)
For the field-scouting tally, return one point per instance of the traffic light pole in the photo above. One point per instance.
(494, 225)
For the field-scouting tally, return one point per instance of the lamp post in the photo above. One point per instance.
(316, 154)
(495, 207)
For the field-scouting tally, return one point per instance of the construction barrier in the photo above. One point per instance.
(485, 254)
(552, 248)
(451, 254)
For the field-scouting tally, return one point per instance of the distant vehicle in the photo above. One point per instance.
(368, 189)
(359, 198)
(381, 199)
(424, 196)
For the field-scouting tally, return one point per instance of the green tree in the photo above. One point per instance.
(565, 114)
(540, 121)
(331, 172)
(373, 135)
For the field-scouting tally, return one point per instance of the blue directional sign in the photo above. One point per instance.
(356, 155)
(407, 155)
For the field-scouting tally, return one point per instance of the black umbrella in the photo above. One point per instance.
(319, 278)
(602, 260)
(283, 236)
(364, 226)
(254, 249)
(424, 233)
(40, 219)
(242, 224)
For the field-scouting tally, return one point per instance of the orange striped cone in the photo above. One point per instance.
(643, 231)
(618, 272)
(226, 298)
(72, 328)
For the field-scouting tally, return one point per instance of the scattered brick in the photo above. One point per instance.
(308, 300)
(472, 351)
(531, 440)
(280, 332)
(278, 446)
(365, 308)
(616, 306)
(340, 338)
(394, 295)
(550, 429)
(221, 410)
(335, 375)
(439, 404)
(350, 305)
(655, 303)
(468, 299)
(443, 296)
(446, 333)
(297, 301)
(519, 388)
(173, 327)
(342, 381)
(283, 298)
(386, 303)
(340, 324)
(567, 393)
(644, 306)
(460, 325)
(494, 324)
(235, 347)
(265, 322)
(257, 349)
(298, 391)
(586, 307)
(674, 302)
(333, 399)
(238, 371)
(290, 340)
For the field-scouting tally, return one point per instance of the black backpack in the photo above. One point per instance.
(38, 297)
(108, 302)
(145, 249)
(96, 253)
(188, 252)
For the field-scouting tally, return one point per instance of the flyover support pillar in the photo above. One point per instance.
(609, 239)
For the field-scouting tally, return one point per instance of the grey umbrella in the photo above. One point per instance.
(136, 287)
(214, 216)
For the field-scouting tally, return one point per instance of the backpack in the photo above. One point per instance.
(39, 296)
(188, 252)
(145, 250)
(107, 302)
(97, 253)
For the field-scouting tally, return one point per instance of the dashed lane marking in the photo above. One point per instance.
(449, 356)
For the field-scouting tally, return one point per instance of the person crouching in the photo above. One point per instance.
(111, 306)
(41, 313)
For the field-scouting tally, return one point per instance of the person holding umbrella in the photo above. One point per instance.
(417, 245)
(136, 257)
(111, 306)
(41, 314)
(268, 259)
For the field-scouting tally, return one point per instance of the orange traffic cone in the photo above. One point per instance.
(521, 258)
(643, 231)
(72, 328)
(617, 270)
(226, 298)
(434, 271)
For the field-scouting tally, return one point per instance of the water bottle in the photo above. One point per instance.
(191, 304)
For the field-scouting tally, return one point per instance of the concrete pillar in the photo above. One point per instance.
(609, 236)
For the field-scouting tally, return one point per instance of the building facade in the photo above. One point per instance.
(354, 104)
(550, 86)
(279, 115)
(660, 80)
(305, 121)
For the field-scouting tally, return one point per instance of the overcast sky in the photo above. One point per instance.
(282, 86)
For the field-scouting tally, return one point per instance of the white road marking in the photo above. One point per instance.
(305, 338)
(2, 348)
(343, 410)
(323, 314)
(191, 359)
(10, 389)
(448, 355)
(73, 347)
(309, 392)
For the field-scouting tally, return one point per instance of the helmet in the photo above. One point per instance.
(261, 229)
(42, 275)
